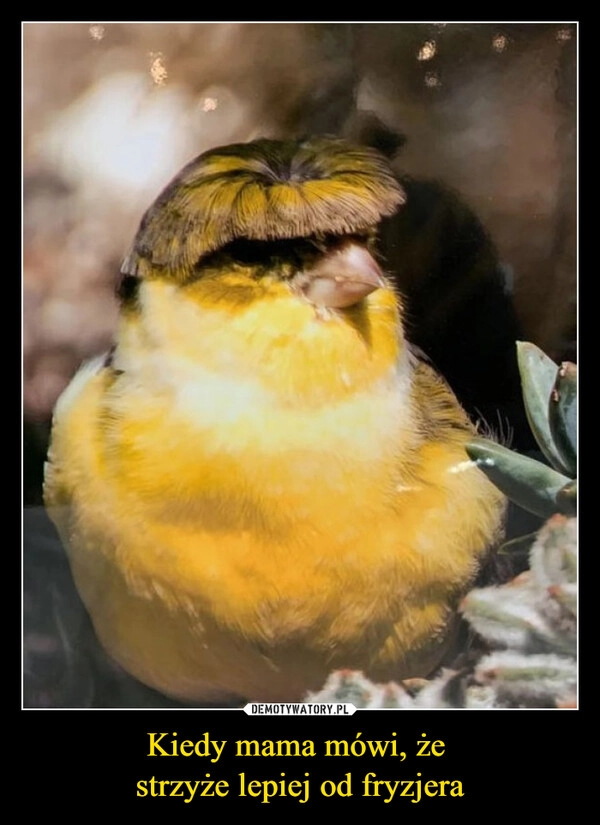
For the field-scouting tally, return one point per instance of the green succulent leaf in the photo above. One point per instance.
(528, 679)
(538, 375)
(553, 558)
(529, 483)
(562, 415)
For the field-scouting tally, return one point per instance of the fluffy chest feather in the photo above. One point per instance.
(288, 412)
(250, 489)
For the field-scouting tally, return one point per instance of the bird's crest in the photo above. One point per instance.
(264, 190)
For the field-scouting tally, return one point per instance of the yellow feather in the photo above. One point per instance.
(255, 492)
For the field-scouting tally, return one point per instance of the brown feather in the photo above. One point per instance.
(265, 190)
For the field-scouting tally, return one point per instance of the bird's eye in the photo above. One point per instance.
(255, 254)
(250, 253)
(128, 288)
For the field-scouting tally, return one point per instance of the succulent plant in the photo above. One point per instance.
(531, 625)
(353, 687)
(550, 396)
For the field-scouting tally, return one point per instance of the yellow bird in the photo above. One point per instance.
(261, 482)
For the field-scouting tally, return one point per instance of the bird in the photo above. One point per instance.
(262, 481)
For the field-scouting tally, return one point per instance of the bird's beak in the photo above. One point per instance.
(342, 277)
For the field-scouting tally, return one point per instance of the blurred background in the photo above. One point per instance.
(479, 122)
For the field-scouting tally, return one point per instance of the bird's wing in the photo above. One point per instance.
(57, 495)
